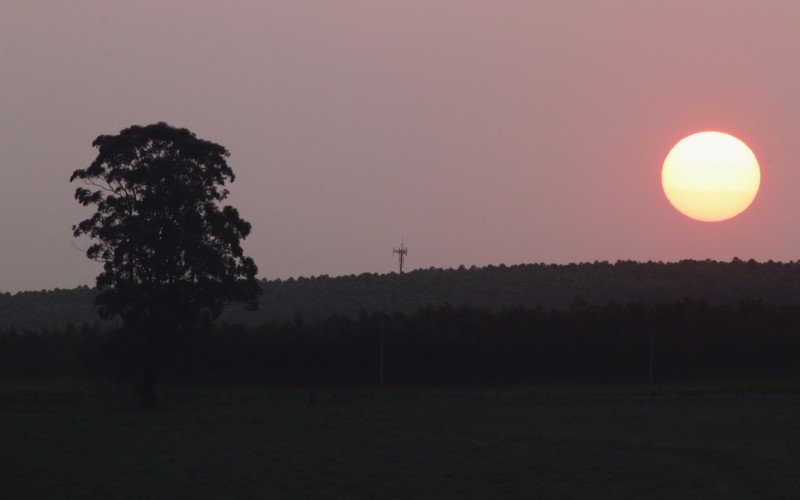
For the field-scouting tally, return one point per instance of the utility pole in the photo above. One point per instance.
(401, 254)
(652, 354)
(381, 369)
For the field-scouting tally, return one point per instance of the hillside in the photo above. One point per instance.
(491, 287)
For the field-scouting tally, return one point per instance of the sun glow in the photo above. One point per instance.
(710, 176)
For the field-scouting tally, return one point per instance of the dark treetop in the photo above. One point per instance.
(168, 247)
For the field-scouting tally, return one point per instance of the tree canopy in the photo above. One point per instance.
(171, 252)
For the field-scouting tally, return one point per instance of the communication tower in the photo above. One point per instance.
(401, 254)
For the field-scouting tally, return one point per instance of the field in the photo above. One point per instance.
(73, 440)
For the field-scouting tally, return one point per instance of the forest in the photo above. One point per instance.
(444, 345)
(492, 288)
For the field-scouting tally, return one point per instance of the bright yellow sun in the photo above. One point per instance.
(711, 176)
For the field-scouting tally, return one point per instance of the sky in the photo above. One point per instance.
(480, 132)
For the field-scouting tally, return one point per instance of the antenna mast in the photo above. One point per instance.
(401, 254)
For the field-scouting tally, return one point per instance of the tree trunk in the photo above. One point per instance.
(147, 393)
(148, 398)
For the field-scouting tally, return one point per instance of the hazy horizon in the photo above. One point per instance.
(515, 132)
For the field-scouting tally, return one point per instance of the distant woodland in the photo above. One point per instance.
(444, 345)
(593, 323)
(491, 288)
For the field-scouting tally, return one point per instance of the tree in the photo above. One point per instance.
(171, 252)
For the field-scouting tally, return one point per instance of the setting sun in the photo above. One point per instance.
(710, 176)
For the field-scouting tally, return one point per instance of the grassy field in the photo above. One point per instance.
(65, 440)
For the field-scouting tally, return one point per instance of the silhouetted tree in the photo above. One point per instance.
(171, 253)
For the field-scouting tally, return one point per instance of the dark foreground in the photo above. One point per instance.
(734, 441)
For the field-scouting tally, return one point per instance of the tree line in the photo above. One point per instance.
(464, 345)
(493, 288)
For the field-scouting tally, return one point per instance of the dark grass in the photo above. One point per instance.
(72, 440)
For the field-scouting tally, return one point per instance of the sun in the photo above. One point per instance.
(710, 176)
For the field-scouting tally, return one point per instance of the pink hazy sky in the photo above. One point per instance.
(482, 132)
